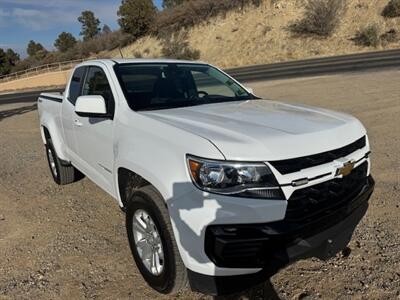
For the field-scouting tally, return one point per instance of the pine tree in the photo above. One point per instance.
(90, 25)
(34, 48)
(65, 41)
(136, 16)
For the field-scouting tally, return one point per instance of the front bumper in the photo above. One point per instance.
(273, 246)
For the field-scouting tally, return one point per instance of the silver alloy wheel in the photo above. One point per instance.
(148, 242)
(52, 162)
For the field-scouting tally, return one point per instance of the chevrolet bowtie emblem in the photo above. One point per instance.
(346, 169)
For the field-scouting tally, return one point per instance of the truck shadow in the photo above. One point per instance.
(265, 291)
(17, 111)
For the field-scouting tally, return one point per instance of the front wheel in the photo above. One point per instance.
(152, 242)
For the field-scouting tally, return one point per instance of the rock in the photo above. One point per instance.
(2, 218)
(346, 252)
(304, 295)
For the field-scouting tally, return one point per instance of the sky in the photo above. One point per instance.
(43, 20)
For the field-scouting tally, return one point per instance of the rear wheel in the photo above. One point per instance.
(152, 242)
(62, 173)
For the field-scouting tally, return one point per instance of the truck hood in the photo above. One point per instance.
(264, 130)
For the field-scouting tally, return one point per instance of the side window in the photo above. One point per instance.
(210, 85)
(96, 83)
(76, 84)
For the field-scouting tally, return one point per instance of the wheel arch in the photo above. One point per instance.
(47, 132)
(128, 182)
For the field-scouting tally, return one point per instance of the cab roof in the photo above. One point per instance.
(144, 60)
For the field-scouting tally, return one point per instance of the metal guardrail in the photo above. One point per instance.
(60, 66)
(327, 65)
(298, 68)
(318, 66)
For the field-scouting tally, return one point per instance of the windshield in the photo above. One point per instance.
(164, 86)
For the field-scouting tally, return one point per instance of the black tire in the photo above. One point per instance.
(173, 277)
(62, 173)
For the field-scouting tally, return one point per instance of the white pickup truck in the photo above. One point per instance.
(221, 189)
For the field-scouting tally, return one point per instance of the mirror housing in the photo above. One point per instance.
(91, 106)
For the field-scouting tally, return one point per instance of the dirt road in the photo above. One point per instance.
(70, 243)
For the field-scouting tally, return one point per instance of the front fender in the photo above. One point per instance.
(157, 152)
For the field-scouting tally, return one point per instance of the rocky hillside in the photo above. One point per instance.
(263, 35)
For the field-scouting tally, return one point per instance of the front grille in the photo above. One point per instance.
(296, 164)
(310, 211)
(308, 204)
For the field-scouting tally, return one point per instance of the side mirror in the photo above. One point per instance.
(250, 90)
(91, 106)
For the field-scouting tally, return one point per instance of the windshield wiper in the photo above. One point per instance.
(170, 105)
(210, 99)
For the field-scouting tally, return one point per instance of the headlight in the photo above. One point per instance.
(252, 180)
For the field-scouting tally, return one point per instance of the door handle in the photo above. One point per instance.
(78, 123)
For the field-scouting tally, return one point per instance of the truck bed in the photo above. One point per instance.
(57, 97)
(49, 109)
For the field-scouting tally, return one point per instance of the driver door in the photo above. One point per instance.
(68, 113)
(94, 135)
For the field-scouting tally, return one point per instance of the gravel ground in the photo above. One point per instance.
(70, 243)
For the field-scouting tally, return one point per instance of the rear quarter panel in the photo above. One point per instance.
(50, 118)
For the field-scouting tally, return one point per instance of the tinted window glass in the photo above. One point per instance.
(76, 83)
(163, 86)
(96, 83)
(211, 85)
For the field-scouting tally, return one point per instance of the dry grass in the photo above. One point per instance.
(146, 46)
(44, 80)
(255, 36)
(195, 12)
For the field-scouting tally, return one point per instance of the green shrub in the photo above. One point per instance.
(367, 36)
(321, 18)
(176, 46)
(26, 63)
(81, 49)
(392, 9)
(137, 54)
(390, 36)
(103, 42)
